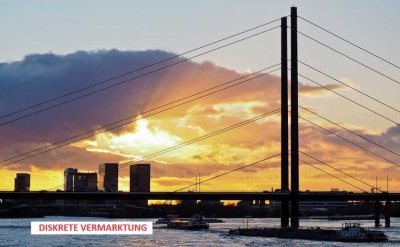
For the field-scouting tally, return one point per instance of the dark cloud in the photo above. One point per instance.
(42, 76)
(39, 77)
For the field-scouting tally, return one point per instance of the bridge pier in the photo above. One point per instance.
(284, 125)
(377, 213)
(294, 123)
(387, 214)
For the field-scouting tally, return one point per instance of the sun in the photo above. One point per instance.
(140, 138)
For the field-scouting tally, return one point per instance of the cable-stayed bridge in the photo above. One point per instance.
(287, 193)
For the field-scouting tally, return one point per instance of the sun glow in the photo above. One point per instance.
(140, 138)
(143, 136)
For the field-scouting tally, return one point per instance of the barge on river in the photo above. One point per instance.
(350, 232)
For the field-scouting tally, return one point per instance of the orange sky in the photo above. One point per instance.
(220, 153)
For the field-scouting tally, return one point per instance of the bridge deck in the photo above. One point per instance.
(304, 196)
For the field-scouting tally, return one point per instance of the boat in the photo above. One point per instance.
(350, 232)
(353, 232)
(167, 219)
(161, 221)
(170, 217)
(196, 222)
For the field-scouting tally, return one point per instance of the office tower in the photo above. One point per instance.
(85, 182)
(69, 179)
(139, 181)
(108, 177)
(22, 182)
(140, 178)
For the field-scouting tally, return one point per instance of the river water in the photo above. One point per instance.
(16, 232)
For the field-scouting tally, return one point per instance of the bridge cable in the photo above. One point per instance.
(353, 132)
(345, 173)
(351, 142)
(349, 42)
(351, 87)
(347, 98)
(331, 166)
(332, 175)
(347, 56)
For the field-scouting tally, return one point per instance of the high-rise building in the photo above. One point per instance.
(108, 177)
(85, 182)
(22, 182)
(140, 178)
(69, 179)
(139, 181)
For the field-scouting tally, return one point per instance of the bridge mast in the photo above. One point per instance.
(294, 154)
(284, 125)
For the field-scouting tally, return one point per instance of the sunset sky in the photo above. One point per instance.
(50, 48)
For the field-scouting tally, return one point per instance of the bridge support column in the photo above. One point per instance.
(377, 213)
(294, 125)
(387, 214)
(284, 125)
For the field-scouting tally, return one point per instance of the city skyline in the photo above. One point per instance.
(89, 181)
(64, 68)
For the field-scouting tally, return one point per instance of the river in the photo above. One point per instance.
(16, 232)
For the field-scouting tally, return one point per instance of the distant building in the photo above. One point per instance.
(85, 182)
(139, 178)
(139, 181)
(69, 179)
(22, 182)
(108, 177)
